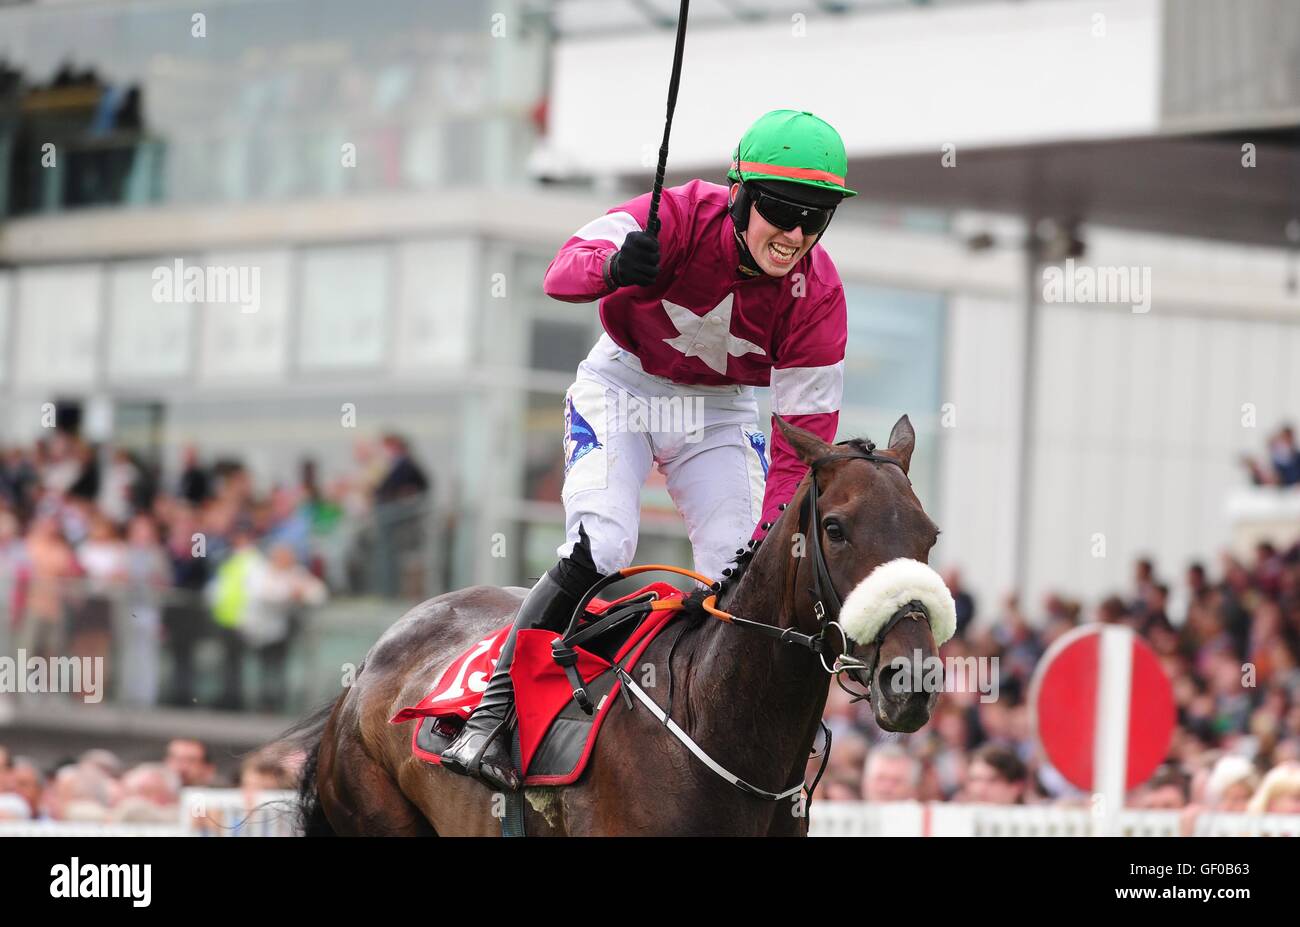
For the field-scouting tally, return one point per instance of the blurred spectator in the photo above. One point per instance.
(1231, 784)
(104, 760)
(230, 594)
(14, 571)
(1167, 790)
(843, 776)
(189, 760)
(1144, 581)
(1285, 456)
(404, 478)
(27, 781)
(52, 564)
(184, 617)
(892, 774)
(155, 783)
(996, 776)
(964, 601)
(1279, 793)
(1282, 465)
(195, 484)
(79, 792)
(288, 524)
(323, 513)
(18, 479)
(399, 508)
(280, 589)
(117, 490)
(266, 771)
(148, 572)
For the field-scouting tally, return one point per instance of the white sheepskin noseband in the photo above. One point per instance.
(889, 587)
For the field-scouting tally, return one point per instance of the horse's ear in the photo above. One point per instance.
(901, 442)
(806, 444)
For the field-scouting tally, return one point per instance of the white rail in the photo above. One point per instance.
(230, 813)
(939, 819)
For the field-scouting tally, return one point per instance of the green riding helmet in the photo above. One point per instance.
(794, 147)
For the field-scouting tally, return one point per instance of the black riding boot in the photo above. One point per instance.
(482, 749)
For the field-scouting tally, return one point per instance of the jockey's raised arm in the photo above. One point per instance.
(580, 271)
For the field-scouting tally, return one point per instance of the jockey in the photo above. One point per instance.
(732, 293)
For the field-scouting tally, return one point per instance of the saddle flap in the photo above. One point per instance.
(556, 739)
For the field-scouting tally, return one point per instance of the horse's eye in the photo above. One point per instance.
(833, 530)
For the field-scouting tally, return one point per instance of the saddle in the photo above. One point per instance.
(564, 683)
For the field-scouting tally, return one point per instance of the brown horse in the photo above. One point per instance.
(752, 702)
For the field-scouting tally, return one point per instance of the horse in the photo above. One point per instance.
(752, 701)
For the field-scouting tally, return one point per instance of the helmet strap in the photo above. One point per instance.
(739, 211)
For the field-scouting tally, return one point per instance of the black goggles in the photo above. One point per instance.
(788, 215)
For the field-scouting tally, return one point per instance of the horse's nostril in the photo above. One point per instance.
(886, 679)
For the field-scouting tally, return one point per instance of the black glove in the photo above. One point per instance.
(636, 263)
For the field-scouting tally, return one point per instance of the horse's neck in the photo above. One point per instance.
(747, 685)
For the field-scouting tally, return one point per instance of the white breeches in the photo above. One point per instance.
(705, 441)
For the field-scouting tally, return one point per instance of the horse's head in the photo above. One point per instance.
(873, 538)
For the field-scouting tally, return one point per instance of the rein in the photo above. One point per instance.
(827, 601)
(827, 604)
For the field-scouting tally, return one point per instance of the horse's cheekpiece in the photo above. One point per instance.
(556, 731)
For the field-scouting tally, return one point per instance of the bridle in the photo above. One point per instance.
(827, 604)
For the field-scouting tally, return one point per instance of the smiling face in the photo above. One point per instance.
(776, 251)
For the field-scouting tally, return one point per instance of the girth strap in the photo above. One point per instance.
(564, 649)
(695, 748)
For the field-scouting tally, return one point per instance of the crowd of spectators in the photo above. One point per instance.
(1231, 646)
(97, 787)
(102, 557)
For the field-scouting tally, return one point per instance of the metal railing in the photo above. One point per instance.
(158, 646)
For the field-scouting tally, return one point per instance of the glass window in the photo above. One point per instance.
(559, 346)
(544, 447)
(260, 106)
(58, 324)
(241, 345)
(561, 334)
(149, 328)
(342, 322)
(540, 542)
(892, 361)
(893, 366)
(436, 303)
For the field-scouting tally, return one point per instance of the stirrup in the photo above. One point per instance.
(475, 765)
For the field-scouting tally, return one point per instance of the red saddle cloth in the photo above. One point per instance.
(542, 689)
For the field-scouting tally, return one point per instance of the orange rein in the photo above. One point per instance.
(709, 604)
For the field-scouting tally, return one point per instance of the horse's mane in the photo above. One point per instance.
(739, 565)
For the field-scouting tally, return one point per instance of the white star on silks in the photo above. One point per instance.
(708, 336)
